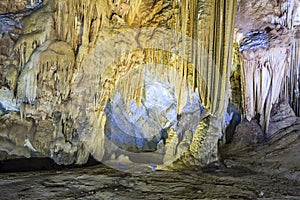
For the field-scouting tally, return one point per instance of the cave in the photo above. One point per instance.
(152, 99)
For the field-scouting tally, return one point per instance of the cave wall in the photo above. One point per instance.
(65, 66)
(70, 58)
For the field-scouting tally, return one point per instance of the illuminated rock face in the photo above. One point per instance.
(183, 56)
(264, 68)
(266, 33)
(13, 6)
(113, 78)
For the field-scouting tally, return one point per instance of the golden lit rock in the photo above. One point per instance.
(113, 79)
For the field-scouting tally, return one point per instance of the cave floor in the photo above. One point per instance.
(101, 182)
(270, 170)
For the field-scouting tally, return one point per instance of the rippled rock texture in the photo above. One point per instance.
(99, 182)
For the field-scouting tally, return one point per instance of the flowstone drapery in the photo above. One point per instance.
(71, 68)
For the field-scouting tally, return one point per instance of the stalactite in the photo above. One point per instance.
(49, 70)
(37, 29)
(264, 68)
(78, 23)
(201, 60)
(292, 81)
(217, 27)
(187, 46)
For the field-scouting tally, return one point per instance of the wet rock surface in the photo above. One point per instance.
(101, 182)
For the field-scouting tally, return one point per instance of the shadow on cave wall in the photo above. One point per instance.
(39, 164)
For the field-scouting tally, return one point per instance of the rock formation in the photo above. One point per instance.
(266, 50)
(142, 81)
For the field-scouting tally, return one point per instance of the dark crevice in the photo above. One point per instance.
(38, 164)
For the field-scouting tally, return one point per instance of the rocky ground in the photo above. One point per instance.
(266, 170)
(253, 167)
(101, 182)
